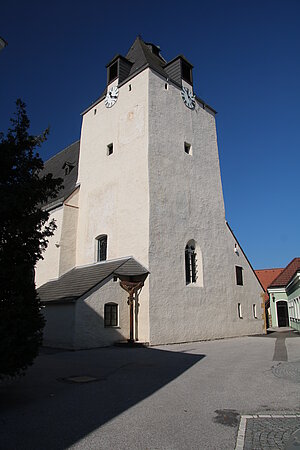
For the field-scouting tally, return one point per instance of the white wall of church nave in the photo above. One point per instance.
(48, 268)
(186, 202)
(68, 238)
(114, 194)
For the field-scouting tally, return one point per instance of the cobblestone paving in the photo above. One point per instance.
(266, 432)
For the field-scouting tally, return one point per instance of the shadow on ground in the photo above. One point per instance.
(44, 411)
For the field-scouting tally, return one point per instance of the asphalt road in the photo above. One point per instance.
(187, 396)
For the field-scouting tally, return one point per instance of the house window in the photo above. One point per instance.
(240, 311)
(166, 86)
(190, 263)
(102, 248)
(187, 148)
(113, 72)
(110, 149)
(254, 311)
(129, 87)
(239, 275)
(110, 315)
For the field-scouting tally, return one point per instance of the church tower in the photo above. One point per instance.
(150, 187)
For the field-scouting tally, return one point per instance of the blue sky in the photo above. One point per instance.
(246, 65)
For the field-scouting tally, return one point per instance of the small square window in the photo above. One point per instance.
(239, 275)
(110, 149)
(240, 311)
(187, 148)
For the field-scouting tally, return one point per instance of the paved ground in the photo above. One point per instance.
(189, 396)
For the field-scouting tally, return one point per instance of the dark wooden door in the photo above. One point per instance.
(282, 314)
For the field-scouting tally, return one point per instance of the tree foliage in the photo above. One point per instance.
(24, 233)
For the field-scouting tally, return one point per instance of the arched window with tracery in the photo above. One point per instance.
(190, 262)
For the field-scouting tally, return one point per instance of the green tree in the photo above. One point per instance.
(24, 233)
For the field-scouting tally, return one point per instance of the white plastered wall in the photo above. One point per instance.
(69, 233)
(59, 328)
(114, 193)
(90, 331)
(186, 202)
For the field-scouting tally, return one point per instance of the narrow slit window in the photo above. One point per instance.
(240, 311)
(110, 149)
(95, 111)
(254, 311)
(187, 148)
(129, 87)
(166, 86)
(190, 264)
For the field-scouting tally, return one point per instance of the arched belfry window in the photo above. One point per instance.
(102, 247)
(190, 263)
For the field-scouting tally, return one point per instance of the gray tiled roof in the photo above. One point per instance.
(55, 165)
(80, 280)
(140, 55)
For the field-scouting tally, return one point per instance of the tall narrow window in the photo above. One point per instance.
(239, 275)
(190, 263)
(110, 315)
(102, 248)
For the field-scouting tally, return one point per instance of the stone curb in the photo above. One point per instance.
(243, 422)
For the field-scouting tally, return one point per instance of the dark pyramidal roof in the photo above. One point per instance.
(64, 165)
(143, 54)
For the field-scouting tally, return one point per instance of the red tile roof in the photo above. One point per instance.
(287, 274)
(266, 276)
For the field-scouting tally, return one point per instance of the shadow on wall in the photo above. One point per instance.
(80, 325)
(45, 410)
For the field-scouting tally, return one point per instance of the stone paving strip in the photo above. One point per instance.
(266, 431)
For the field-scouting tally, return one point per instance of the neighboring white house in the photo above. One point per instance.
(143, 205)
